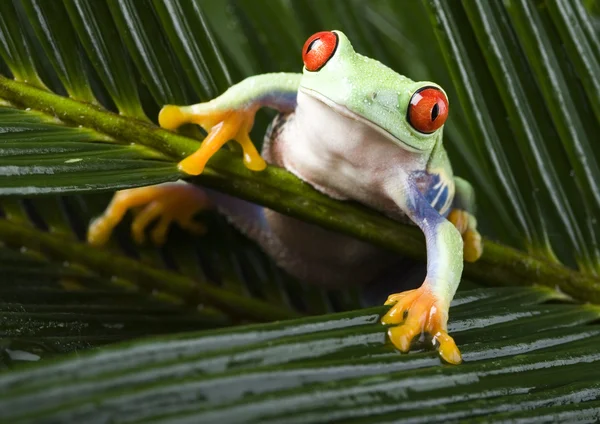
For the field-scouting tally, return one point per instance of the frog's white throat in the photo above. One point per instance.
(340, 155)
(344, 111)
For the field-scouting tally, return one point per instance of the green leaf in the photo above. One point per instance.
(269, 31)
(283, 192)
(34, 146)
(14, 47)
(528, 356)
(99, 36)
(223, 279)
(51, 24)
(535, 39)
(587, 21)
(51, 308)
(579, 50)
(148, 277)
(451, 35)
(322, 369)
(519, 99)
(137, 25)
(195, 47)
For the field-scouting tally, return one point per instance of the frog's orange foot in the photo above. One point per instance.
(221, 126)
(465, 223)
(421, 312)
(167, 203)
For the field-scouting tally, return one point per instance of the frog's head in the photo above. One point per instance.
(410, 113)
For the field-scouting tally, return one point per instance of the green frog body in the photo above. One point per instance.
(355, 130)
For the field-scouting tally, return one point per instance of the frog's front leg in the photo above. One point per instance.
(228, 117)
(426, 308)
(462, 216)
(231, 117)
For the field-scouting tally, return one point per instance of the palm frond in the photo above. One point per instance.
(40, 155)
(159, 67)
(219, 270)
(50, 309)
(332, 368)
(80, 87)
(283, 193)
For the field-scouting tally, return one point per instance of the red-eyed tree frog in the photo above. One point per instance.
(353, 129)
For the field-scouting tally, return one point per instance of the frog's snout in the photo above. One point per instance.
(385, 98)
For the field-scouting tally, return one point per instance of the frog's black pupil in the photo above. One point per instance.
(435, 111)
(310, 46)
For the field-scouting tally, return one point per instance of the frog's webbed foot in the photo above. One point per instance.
(466, 225)
(421, 312)
(167, 203)
(221, 126)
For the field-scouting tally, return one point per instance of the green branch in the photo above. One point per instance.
(106, 263)
(281, 191)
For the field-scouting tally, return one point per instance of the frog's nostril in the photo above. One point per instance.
(386, 99)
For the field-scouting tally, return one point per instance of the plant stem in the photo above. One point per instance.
(280, 191)
(283, 192)
(107, 263)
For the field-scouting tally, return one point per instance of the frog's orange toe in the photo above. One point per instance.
(193, 164)
(402, 303)
(473, 246)
(99, 231)
(101, 228)
(252, 159)
(402, 335)
(396, 297)
(219, 135)
(222, 126)
(465, 223)
(148, 214)
(421, 312)
(460, 219)
(172, 117)
(447, 348)
(165, 202)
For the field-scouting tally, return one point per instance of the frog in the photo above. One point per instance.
(355, 130)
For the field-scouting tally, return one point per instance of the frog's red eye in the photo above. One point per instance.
(318, 49)
(427, 110)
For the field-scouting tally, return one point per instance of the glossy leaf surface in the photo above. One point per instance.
(521, 127)
(332, 368)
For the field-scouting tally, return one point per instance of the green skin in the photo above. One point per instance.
(366, 91)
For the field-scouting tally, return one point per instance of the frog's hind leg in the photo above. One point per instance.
(462, 216)
(170, 202)
(466, 224)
